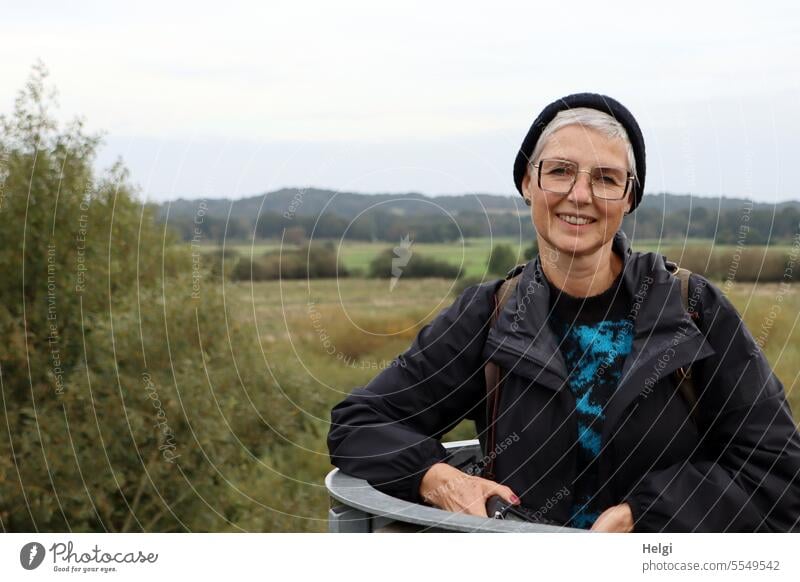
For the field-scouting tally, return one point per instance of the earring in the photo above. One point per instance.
(527, 201)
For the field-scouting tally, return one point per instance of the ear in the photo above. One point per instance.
(526, 185)
(630, 202)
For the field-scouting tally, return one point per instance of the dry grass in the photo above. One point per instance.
(343, 332)
(771, 313)
(758, 263)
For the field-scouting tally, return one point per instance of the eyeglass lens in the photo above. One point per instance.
(559, 176)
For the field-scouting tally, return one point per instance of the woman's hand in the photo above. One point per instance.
(447, 488)
(618, 518)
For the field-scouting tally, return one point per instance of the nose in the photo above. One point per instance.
(581, 192)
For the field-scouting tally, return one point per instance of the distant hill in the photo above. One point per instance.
(329, 214)
(314, 202)
(676, 202)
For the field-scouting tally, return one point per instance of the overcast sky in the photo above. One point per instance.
(228, 99)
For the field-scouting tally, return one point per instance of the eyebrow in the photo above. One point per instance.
(600, 165)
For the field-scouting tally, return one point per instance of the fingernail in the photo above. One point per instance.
(514, 499)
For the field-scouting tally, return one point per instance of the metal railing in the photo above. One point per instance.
(357, 507)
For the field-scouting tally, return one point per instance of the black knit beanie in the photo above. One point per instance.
(593, 101)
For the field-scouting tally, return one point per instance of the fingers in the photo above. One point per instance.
(490, 488)
(468, 494)
(505, 492)
(599, 524)
(603, 522)
(614, 519)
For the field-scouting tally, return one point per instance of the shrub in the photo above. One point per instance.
(417, 266)
(123, 409)
(214, 260)
(309, 262)
(501, 260)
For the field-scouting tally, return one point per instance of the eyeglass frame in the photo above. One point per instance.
(628, 180)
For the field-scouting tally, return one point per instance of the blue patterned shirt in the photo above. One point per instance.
(595, 335)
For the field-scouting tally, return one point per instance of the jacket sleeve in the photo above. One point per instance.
(746, 475)
(388, 431)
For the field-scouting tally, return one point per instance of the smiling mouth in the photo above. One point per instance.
(575, 220)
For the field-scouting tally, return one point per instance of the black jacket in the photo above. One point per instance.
(736, 467)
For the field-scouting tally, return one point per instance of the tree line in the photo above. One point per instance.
(746, 226)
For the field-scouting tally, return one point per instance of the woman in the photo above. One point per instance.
(595, 430)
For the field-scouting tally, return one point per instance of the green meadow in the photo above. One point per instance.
(356, 255)
(473, 254)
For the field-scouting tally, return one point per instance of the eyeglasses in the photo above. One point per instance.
(559, 177)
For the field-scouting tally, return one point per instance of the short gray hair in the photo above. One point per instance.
(587, 117)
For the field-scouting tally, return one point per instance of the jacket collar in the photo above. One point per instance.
(661, 326)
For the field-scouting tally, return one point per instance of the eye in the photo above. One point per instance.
(610, 176)
(558, 168)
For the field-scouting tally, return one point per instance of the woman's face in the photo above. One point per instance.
(588, 148)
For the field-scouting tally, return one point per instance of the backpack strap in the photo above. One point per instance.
(683, 376)
(492, 371)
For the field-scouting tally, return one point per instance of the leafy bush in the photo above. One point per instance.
(219, 262)
(414, 266)
(532, 250)
(309, 262)
(501, 260)
(123, 407)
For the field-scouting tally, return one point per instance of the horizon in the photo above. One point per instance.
(438, 195)
(420, 98)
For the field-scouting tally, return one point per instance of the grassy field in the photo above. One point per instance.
(344, 330)
(473, 254)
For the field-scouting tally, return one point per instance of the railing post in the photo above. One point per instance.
(343, 519)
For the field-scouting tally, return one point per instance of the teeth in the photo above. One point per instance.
(575, 219)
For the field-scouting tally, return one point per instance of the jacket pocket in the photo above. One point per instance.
(656, 432)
